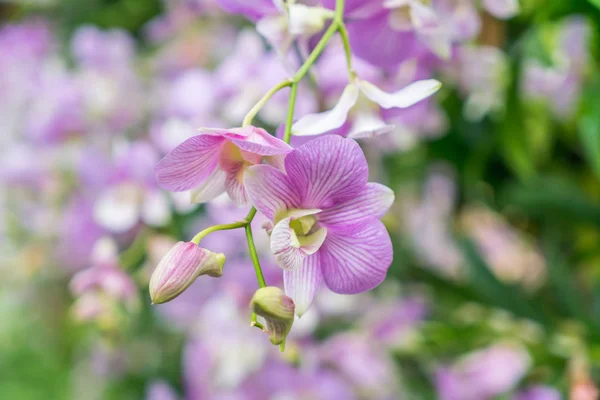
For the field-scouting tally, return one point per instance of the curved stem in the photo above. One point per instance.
(261, 103)
(312, 57)
(254, 255)
(344, 35)
(222, 227)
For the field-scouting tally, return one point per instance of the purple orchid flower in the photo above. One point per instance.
(214, 162)
(325, 217)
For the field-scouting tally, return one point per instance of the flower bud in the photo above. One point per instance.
(277, 309)
(180, 267)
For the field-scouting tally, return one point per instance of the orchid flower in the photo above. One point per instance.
(214, 162)
(314, 124)
(413, 15)
(293, 21)
(325, 217)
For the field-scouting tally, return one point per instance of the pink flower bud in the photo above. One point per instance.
(180, 267)
(277, 309)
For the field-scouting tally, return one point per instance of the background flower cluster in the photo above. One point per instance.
(494, 290)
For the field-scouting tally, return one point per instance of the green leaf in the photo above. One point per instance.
(495, 292)
(595, 3)
(589, 127)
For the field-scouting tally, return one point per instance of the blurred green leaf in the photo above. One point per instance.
(589, 127)
(552, 199)
(595, 3)
(565, 291)
(495, 292)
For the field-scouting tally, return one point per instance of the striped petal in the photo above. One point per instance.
(303, 283)
(189, 164)
(403, 98)
(288, 249)
(327, 169)
(356, 262)
(212, 187)
(315, 124)
(252, 140)
(270, 190)
(371, 204)
(234, 185)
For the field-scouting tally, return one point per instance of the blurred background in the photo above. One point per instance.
(494, 292)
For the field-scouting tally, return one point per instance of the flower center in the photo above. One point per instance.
(303, 225)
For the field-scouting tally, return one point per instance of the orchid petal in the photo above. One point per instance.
(369, 125)
(251, 139)
(371, 204)
(234, 185)
(212, 187)
(503, 9)
(270, 190)
(356, 262)
(303, 283)
(305, 20)
(327, 169)
(423, 18)
(189, 164)
(403, 98)
(288, 249)
(314, 124)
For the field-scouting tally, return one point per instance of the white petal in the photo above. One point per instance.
(396, 3)
(368, 125)
(314, 124)
(288, 249)
(503, 9)
(303, 283)
(304, 20)
(213, 186)
(403, 98)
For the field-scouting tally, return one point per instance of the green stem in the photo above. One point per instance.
(312, 57)
(222, 227)
(254, 322)
(261, 103)
(134, 255)
(254, 255)
(347, 51)
(251, 214)
(287, 135)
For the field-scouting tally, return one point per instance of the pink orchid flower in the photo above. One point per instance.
(325, 217)
(214, 162)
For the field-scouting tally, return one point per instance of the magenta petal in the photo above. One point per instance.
(260, 142)
(303, 283)
(327, 169)
(235, 188)
(393, 47)
(371, 204)
(270, 190)
(189, 164)
(356, 262)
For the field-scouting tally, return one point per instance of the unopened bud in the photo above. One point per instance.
(278, 311)
(180, 267)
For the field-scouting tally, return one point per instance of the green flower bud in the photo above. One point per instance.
(278, 311)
